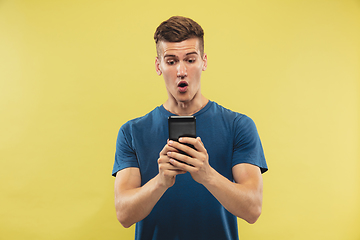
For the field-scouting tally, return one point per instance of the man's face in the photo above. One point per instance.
(181, 64)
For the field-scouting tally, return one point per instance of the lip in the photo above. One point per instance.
(182, 86)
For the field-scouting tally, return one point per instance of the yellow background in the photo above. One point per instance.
(72, 72)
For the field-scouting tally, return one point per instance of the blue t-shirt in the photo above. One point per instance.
(188, 210)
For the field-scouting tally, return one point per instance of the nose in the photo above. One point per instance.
(181, 70)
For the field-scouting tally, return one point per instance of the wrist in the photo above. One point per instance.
(212, 178)
(160, 184)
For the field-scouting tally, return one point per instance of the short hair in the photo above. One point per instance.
(178, 29)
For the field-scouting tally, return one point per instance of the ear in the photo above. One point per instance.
(157, 66)
(205, 62)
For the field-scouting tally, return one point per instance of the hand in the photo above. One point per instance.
(167, 171)
(197, 161)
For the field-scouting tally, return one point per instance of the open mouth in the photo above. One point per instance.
(182, 86)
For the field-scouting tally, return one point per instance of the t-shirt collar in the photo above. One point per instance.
(204, 109)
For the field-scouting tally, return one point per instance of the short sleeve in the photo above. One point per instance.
(247, 144)
(125, 155)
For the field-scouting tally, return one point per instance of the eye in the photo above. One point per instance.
(170, 62)
(191, 60)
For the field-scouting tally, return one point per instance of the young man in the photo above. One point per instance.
(154, 187)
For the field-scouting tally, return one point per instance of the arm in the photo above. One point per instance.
(243, 198)
(134, 202)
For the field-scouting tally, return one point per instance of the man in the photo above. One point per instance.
(170, 195)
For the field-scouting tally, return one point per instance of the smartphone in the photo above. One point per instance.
(182, 126)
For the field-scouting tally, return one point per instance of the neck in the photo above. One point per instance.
(185, 108)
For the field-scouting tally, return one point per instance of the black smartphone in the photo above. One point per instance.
(182, 126)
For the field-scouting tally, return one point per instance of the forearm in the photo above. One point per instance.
(243, 200)
(135, 204)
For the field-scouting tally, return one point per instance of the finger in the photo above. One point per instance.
(199, 139)
(174, 172)
(182, 147)
(185, 167)
(180, 172)
(178, 157)
(167, 148)
(196, 142)
(165, 165)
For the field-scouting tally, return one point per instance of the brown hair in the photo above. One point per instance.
(178, 29)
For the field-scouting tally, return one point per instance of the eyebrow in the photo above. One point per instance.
(169, 55)
(191, 53)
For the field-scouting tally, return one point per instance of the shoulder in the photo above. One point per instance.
(229, 114)
(237, 122)
(142, 121)
(139, 125)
